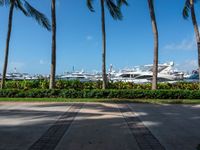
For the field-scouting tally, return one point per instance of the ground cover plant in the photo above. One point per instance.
(118, 94)
(77, 85)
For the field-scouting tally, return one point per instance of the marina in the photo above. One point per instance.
(138, 74)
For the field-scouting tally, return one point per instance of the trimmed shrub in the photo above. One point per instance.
(120, 94)
(77, 85)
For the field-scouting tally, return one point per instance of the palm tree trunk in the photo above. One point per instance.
(155, 32)
(196, 30)
(7, 46)
(104, 76)
(53, 55)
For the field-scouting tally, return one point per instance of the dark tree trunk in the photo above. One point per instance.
(7, 46)
(196, 30)
(104, 76)
(155, 32)
(53, 55)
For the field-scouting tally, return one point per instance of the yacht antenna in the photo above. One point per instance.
(15, 70)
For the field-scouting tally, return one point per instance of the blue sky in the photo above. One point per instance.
(129, 42)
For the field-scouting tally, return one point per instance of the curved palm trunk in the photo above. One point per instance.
(7, 46)
(104, 76)
(196, 30)
(53, 55)
(155, 31)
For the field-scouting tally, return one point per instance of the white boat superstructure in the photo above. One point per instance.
(22, 76)
(144, 74)
(81, 76)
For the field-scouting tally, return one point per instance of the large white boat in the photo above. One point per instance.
(81, 76)
(143, 74)
(20, 76)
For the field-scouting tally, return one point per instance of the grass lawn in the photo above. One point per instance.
(150, 101)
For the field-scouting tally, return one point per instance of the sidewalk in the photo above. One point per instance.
(98, 126)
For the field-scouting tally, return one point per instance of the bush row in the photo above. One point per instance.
(77, 85)
(120, 94)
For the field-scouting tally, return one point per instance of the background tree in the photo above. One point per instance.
(189, 8)
(53, 53)
(27, 10)
(156, 43)
(115, 11)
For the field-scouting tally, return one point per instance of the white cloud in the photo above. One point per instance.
(186, 44)
(188, 65)
(89, 38)
(42, 62)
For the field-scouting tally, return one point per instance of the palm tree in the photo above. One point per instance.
(189, 7)
(53, 53)
(27, 10)
(155, 32)
(115, 11)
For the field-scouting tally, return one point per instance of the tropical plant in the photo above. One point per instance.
(53, 51)
(27, 10)
(189, 8)
(114, 7)
(175, 96)
(156, 43)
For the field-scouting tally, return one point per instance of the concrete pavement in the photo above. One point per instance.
(98, 126)
(176, 126)
(23, 123)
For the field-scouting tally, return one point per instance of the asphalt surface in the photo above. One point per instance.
(98, 126)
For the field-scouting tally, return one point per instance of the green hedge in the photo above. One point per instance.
(123, 94)
(77, 85)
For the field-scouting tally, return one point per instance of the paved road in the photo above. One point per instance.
(98, 126)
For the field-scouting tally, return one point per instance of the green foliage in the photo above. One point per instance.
(77, 85)
(114, 7)
(43, 84)
(28, 10)
(119, 94)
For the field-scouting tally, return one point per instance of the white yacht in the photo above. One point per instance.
(81, 76)
(144, 74)
(193, 77)
(19, 76)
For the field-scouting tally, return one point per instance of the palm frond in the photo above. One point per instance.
(114, 10)
(1, 2)
(39, 17)
(114, 7)
(5, 2)
(90, 5)
(121, 2)
(19, 5)
(186, 9)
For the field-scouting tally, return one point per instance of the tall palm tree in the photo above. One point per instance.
(156, 43)
(115, 11)
(189, 8)
(27, 10)
(53, 53)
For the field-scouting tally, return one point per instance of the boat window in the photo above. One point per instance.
(125, 75)
(144, 77)
(163, 79)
